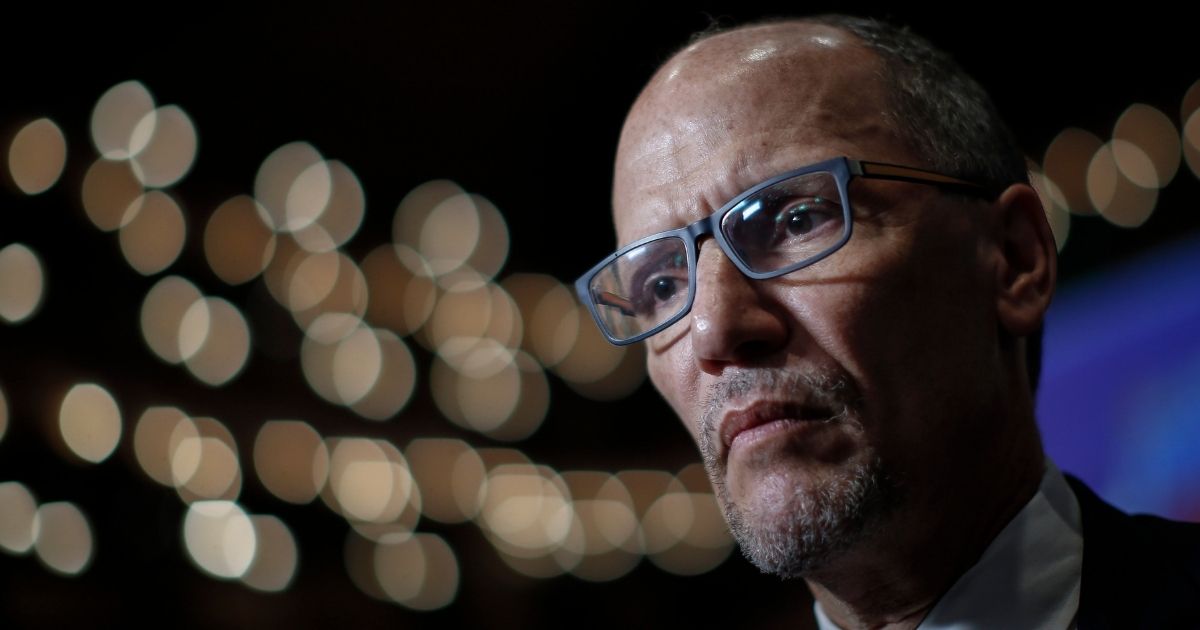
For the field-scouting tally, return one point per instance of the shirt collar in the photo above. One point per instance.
(1028, 577)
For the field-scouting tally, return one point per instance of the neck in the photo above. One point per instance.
(895, 576)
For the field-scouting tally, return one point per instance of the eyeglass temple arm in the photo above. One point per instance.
(604, 298)
(880, 170)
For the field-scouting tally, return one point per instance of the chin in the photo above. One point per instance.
(794, 527)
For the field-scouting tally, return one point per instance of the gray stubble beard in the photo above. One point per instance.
(809, 526)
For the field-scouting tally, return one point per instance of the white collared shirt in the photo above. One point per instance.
(1029, 575)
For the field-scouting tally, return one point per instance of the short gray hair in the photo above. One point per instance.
(943, 114)
(940, 110)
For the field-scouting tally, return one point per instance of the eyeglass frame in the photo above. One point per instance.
(843, 169)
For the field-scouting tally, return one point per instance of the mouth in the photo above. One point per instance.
(760, 420)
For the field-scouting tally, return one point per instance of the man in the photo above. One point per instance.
(832, 252)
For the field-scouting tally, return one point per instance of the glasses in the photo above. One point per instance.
(779, 226)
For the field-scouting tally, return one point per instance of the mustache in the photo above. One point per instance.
(824, 388)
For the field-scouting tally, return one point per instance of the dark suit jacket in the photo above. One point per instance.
(1138, 571)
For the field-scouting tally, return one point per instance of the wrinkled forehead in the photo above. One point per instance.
(743, 105)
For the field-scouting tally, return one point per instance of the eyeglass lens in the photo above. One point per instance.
(642, 288)
(785, 224)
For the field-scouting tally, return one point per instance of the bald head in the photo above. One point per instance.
(854, 77)
(938, 110)
(716, 115)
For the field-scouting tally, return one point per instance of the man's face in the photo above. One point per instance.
(836, 399)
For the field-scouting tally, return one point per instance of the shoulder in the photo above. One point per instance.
(1138, 571)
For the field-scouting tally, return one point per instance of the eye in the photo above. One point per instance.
(801, 218)
(664, 288)
(798, 219)
(659, 284)
(659, 291)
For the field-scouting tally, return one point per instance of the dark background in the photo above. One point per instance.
(520, 103)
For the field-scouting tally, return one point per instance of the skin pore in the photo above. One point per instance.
(891, 433)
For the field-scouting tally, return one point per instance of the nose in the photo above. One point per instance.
(734, 318)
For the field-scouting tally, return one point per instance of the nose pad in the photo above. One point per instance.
(734, 318)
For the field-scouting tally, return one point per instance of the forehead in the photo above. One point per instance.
(740, 107)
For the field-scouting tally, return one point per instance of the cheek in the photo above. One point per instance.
(671, 377)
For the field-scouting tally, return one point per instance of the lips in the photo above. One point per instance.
(762, 417)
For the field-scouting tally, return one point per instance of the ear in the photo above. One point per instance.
(1028, 261)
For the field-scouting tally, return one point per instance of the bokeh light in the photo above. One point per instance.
(1054, 206)
(1191, 142)
(667, 521)
(357, 363)
(170, 147)
(109, 189)
(1117, 198)
(21, 283)
(492, 390)
(311, 284)
(275, 556)
(706, 542)
(414, 210)
(36, 156)
(491, 250)
(1156, 159)
(206, 468)
(152, 233)
(220, 538)
(236, 243)
(343, 212)
(318, 348)
(419, 572)
(683, 530)
(153, 444)
(17, 508)
(62, 538)
(312, 277)
(597, 369)
(204, 461)
(351, 364)
(464, 310)
(533, 401)
(359, 554)
(403, 294)
(90, 422)
(1066, 163)
(369, 480)
(450, 233)
(482, 404)
(645, 487)
(525, 510)
(117, 115)
(395, 382)
(607, 525)
(348, 293)
(549, 311)
(450, 475)
(308, 196)
(162, 313)
(1190, 103)
(291, 460)
(293, 185)
(214, 340)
